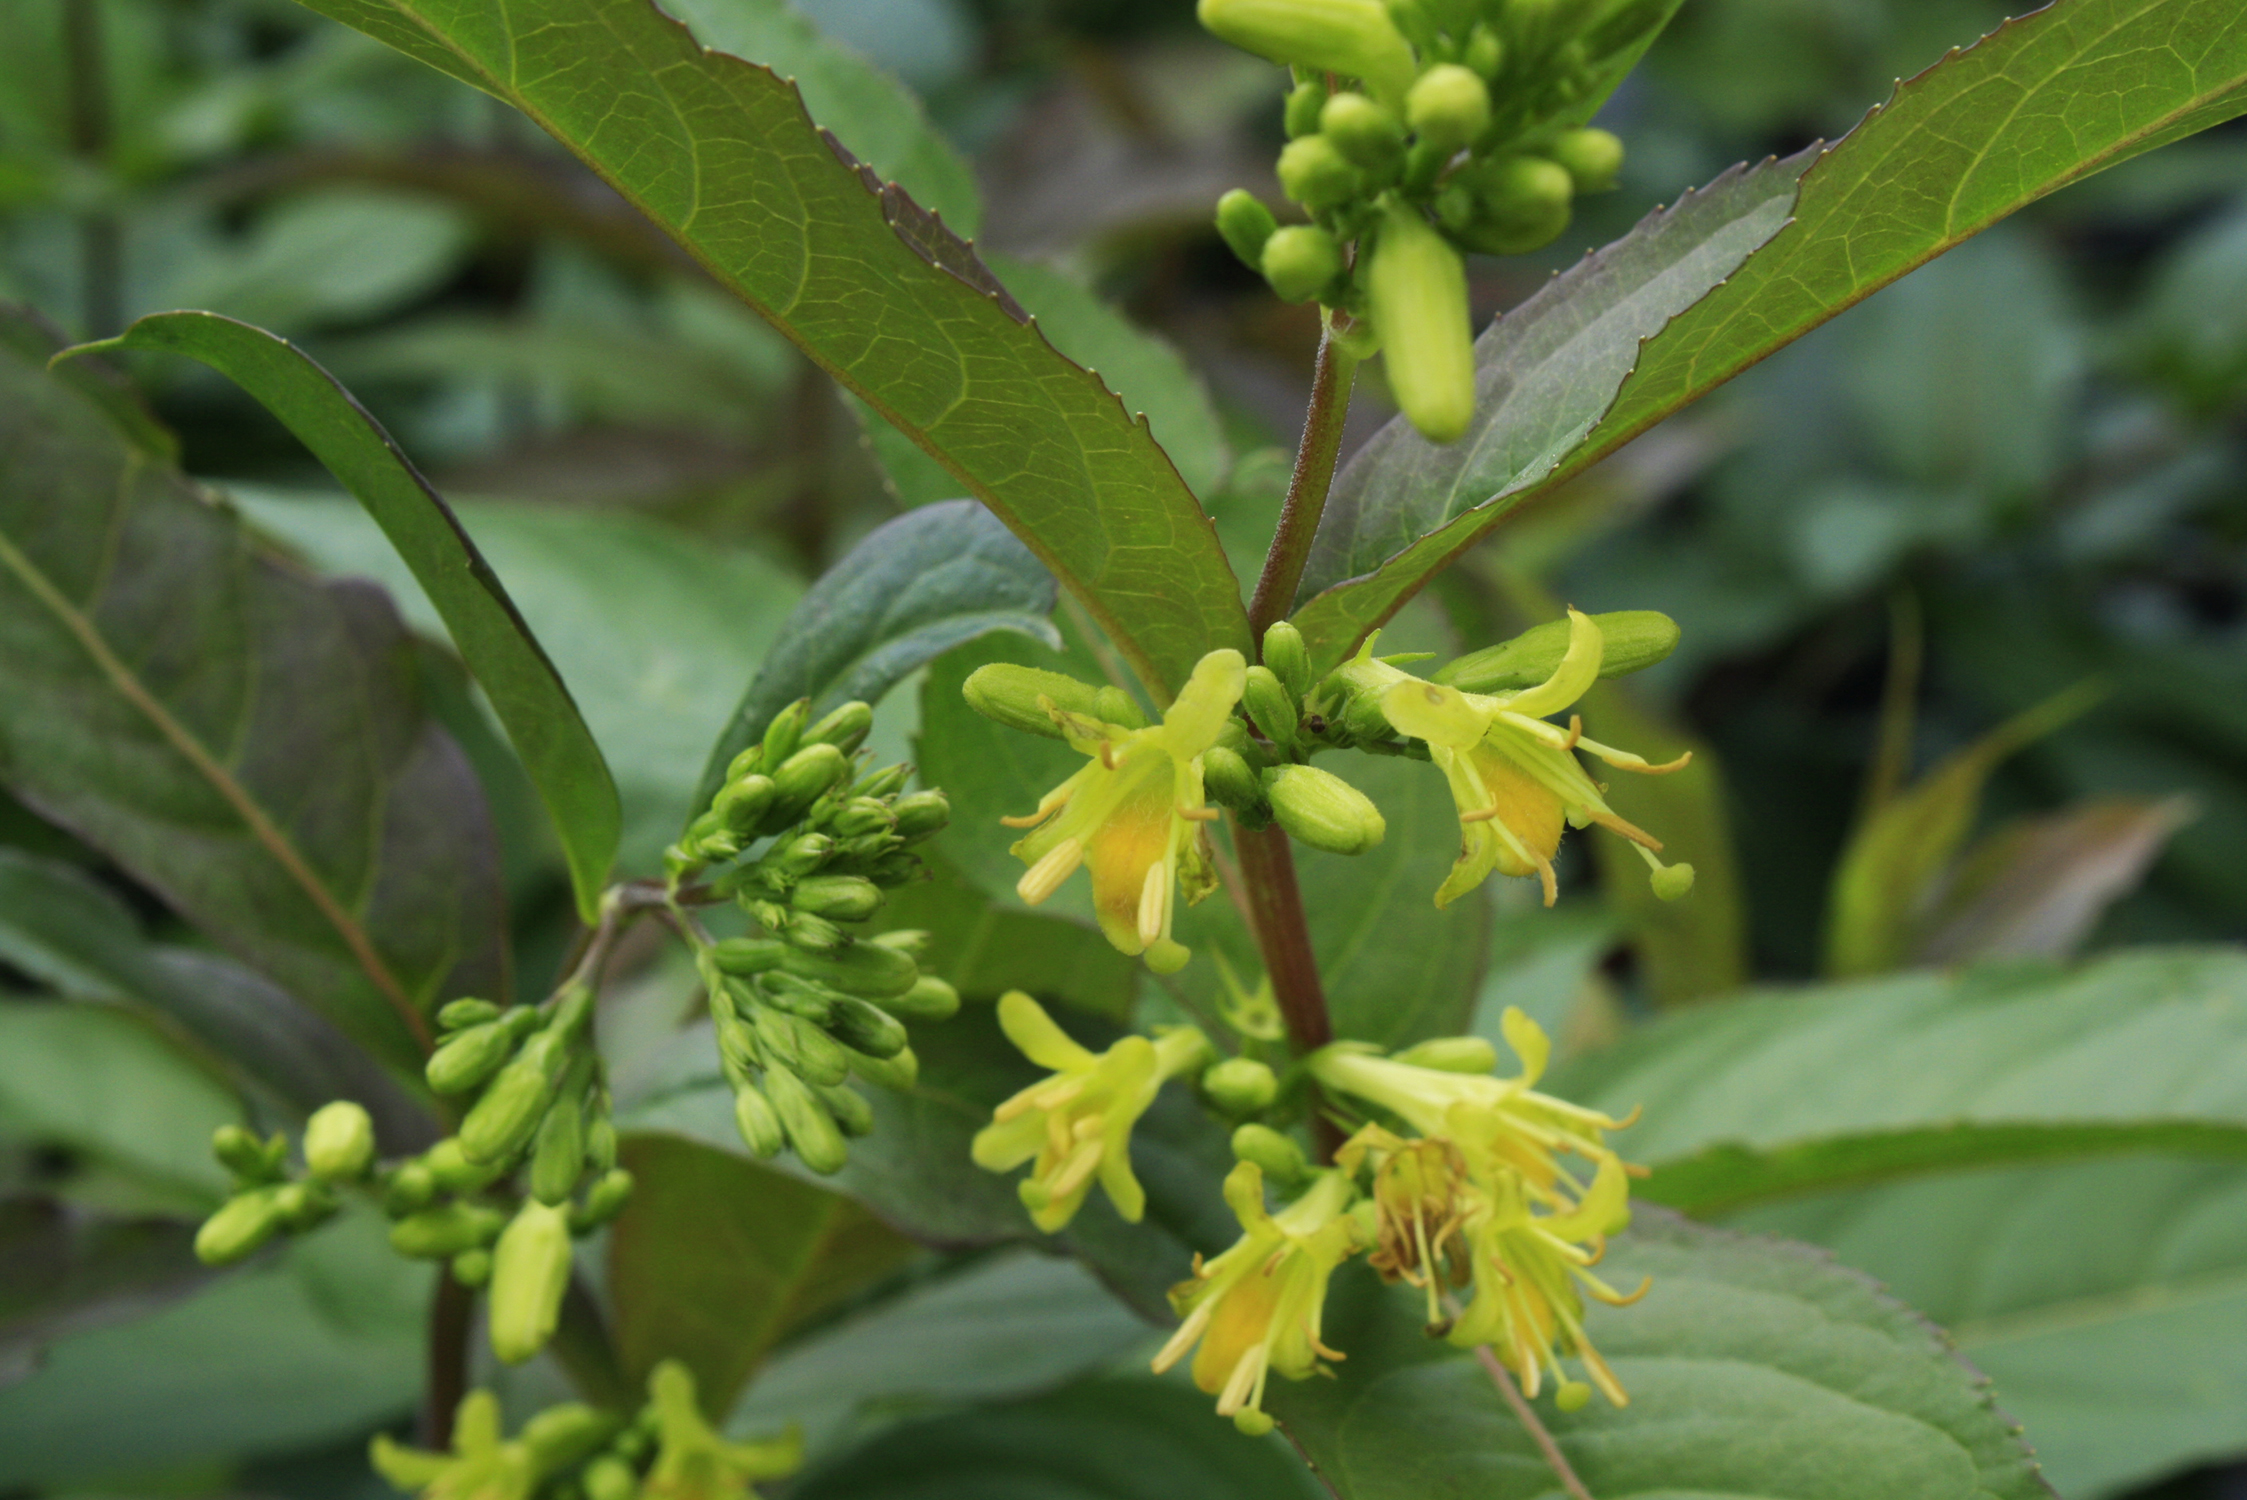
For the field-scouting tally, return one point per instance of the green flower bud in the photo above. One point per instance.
(841, 898)
(922, 814)
(930, 999)
(1449, 106)
(1524, 204)
(785, 732)
(240, 1227)
(1286, 655)
(754, 1118)
(457, 1015)
(604, 1200)
(1319, 808)
(741, 805)
(1369, 137)
(472, 1268)
(1300, 262)
(1590, 157)
(1112, 705)
(610, 1478)
(600, 1138)
(247, 1157)
(1484, 52)
(748, 763)
(743, 957)
(796, 1046)
(501, 1122)
(1271, 707)
(1277, 1155)
(811, 1129)
(1631, 640)
(530, 1273)
(1229, 782)
(558, 1152)
(846, 728)
(799, 997)
(855, 817)
(304, 1204)
(445, 1231)
(452, 1172)
(1007, 694)
(1452, 1054)
(800, 780)
(805, 930)
(874, 970)
(562, 1437)
(1352, 37)
(1240, 1086)
(853, 1115)
(1245, 223)
(1417, 292)
(887, 782)
(339, 1142)
(915, 943)
(866, 1028)
(466, 1059)
(1301, 117)
(1317, 175)
(410, 1187)
(897, 1074)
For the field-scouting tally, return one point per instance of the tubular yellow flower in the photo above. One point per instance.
(1512, 773)
(1258, 1307)
(1134, 814)
(1078, 1122)
(692, 1461)
(481, 1465)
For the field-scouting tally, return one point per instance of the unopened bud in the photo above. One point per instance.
(799, 997)
(445, 1231)
(785, 732)
(558, 1155)
(467, 1058)
(1630, 640)
(460, 1014)
(1300, 261)
(1277, 1155)
(1452, 1054)
(1484, 52)
(530, 1273)
(866, 1028)
(1523, 205)
(244, 1223)
(743, 957)
(930, 999)
(1240, 1086)
(1008, 694)
(858, 816)
(600, 1139)
(1271, 707)
(1228, 780)
(1319, 808)
(339, 1142)
(248, 1158)
(410, 1187)
(1287, 656)
(1352, 37)
(806, 930)
(1417, 292)
(1590, 157)
(874, 970)
(846, 728)
(759, 1126)
(748, 763)
(853, 1115)
(604, 1200)
(1301, 117)
(811, 1128)
(915, 943)
(840, 898)
(741, 805)
(801, 779)
(501, 1122)
(472, 1268)
(562, 1437)
(897, 1074)
(1369, 136)
(451, 1171)
(304, 1204)
(1317, 175)
(922, 814)
(1245, 223)
(1449, 106)
(1112, 705)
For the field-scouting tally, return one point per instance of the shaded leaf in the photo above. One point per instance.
(1756, 1368)
(2044, 101)
(525, 692)
(878, 292)
(250, 745)
(1797, 1090)
(918, 586)
(985, 949)
(717, 1258)
(63, 1270)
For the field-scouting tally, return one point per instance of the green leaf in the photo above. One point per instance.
(250, 745)
(2107, 1300)
(722, 156)
(1117, 1439)
(918, 586)
(2044, 101)
(1813, 1088)
(717, 1257)
(1756, 1368)
(525, 691)
(63, 1270)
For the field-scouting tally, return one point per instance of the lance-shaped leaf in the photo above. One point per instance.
(926, 582)
(875, 290)
(525, 691)
(2042, 102)
(63, 1269)
(249, 744)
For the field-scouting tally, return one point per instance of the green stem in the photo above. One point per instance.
(1306, 491)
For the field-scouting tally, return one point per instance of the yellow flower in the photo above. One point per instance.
(692, 1462)
(1078, 1122)
(1257, 1307)
(1513, 776)
(480, 1467)
(1134, 814)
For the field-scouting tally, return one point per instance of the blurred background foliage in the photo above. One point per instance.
(2023, 469)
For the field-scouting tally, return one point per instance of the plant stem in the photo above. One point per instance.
(451, 1313)
(1530, 1421)
(1306, 491)
(1283, 936)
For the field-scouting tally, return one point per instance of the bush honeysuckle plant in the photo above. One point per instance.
(849, 1022)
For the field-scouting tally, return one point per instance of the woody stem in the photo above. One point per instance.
(1275, 904)
(1306, 490)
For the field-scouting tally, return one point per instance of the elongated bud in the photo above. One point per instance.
(930, 999)
(339, 1142)
(1452, 1054)
(459, 1014)
(846, 728)
(1317, 175)
(1301, 116)
(1229, 782)
(1280, 1159)
(897, 1074)
(465, 1060)
(741, 805)
(803, 929)
(410, 1187)
(811, 1127)
(874, 970)
(800, 997)
(743, 957)
(452, 1172)
(1245, 223)
(1351, 37)
(922, 815)
(1271, 707)
(240, 1227)
(1240, 1086)
(1319, 808)
(1288, 657)
(445, 1231)
(785, 732)
(600, 1139)
(800, 780)
(840, 898)
(855, 817)
(558, 1155)
(610, 1478)
(1417, 291)
(530, 1272)
(1522, 204)
(1448, 107)
(864, 1027)
(800, 855)
(916, 943)
(1008, 694)
(604, 1200)
(1592, 158)
(248, 1158)
(501, 1122)
(1630, 641)
(853, 1115)
(759, 1125)
(1369, 136)
(472, 1268)
(562, 1437)
(748, 763)
(887, 782)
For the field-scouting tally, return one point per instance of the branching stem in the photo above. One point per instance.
(1533, 1424)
